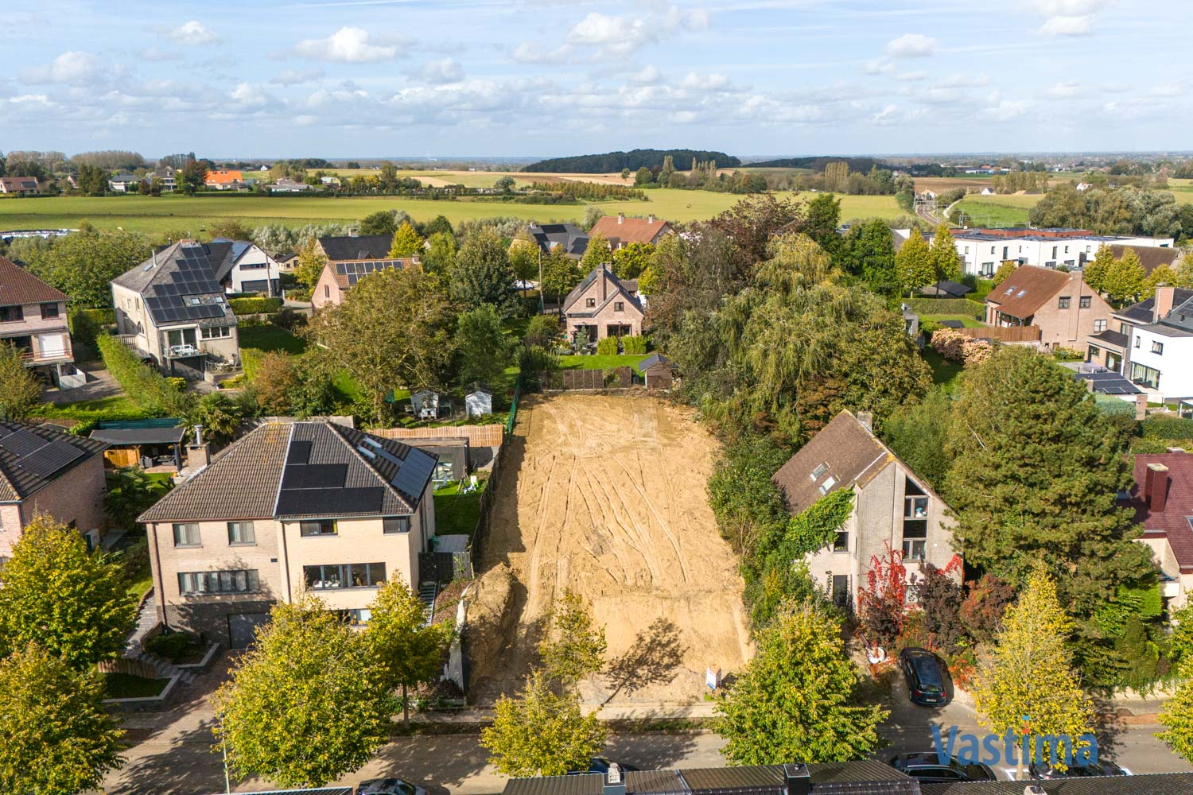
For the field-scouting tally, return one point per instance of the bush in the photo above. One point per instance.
(85, 326)
(541, 331)
(607, 346)
(1068, 355)
(635, 345)
(957, 347)
(148, 388)
(288, 319)
(1166, 426)
(255, 306)
(173, 646)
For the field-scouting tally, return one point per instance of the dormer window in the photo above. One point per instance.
(828, 483)
(818, 472)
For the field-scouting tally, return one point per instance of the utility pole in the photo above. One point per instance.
(542, 306)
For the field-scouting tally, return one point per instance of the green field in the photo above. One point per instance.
(1009, 210)
(182, 216)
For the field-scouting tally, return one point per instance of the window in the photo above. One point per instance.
(49, 311)
(590, 302)
(915, 507)
(11, 314)
(1064, 302)
(187, 535)
(913, 550)
(1084, 302)
(619, 306)
(1122, 328)
(325, 527)
(204, 582)
(344, 575)
(1157, 348)
(828, 483)
(241, 533)
(1147, 376)
(1138, 340)
(396, 524)
(217, 332)
(327, 291)
(818, 471)
(841, 543)
(1099, 326)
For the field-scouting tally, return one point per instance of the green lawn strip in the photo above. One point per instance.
(142, 581)
(457, 513)
(943, 372)
(598, 362)
(968, 321)
(267, 337)
(128, 686)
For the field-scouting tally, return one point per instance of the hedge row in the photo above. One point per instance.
(947, 306)
(254, 306)
(148, 388)
(1163, 426)
(633, 344)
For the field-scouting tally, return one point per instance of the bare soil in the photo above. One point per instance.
(607, 495)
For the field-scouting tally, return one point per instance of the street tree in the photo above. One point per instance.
(394, 329)
(573, 646)
(406, 242)
(915, 266)
(20, 391)
(409, 651)
(945, 260)
(1028, 681)
(57, 737)
(86, 615)
(542, 733)
(797, 699)
(307, 704)
(483, 275)
(482, 348)
(1177, 715)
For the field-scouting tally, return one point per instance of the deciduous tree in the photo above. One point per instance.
(629, 261)
(573, 647)
(382, 222)
(1177, 715)
(945, 259)
(1097, 272)
(482, 274)
(483, 350)
(20, 391)
(1124, 278)
(83, 264)
(439, 257)
(409, 651)
(598, 253)
(406, 242)
(560, 274)
(1004, 270)
(311, 261)
(914, 264)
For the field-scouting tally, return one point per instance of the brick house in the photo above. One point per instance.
(621, 231)
(602, 306)
(892, 505)
(1162, 497)
(22, 186)
(350, 258)
(33, 318)
(288, 507)
(1067, 311)
(43, 471)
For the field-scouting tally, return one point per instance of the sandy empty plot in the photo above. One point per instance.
(610, 499)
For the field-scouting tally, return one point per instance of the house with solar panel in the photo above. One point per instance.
(351, 258)
(43, 471)
(289, 507)
(171, 310)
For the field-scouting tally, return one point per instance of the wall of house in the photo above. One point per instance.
(10, 528)
(1164, 558)
(77, 496)
(133, 318)
(598, 291)
(244, 271)
(326, 292)
(35, 326)
(1071, 328)
(1175, 363)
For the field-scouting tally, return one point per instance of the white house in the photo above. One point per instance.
(242, 267)
(1160, 353)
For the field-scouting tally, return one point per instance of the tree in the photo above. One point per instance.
(541, 331)
(393, 329)
(573, 648)
(598, 253)
(1161, 275)
(483, 350)
(436, 225)
(797, 699)
(308, 703)
(483, 275)
(83, 264)
(868, 252)
(882, 602)
(524, 257)
(941, 597)
(505, 184)
(192, 176)
(1029, 676)
(230, 228)
(275, 379)
(629, 261)
(86, 615)
(914, 264)
(92, 180)
(1123, 281)
(1097, 272)
(408, 650)
(917, 432)
(58, 738)
(20, 391)
(311, 261)
(406, 243)
(439, 257)
(985, 605)
(643, 176)
(560, 274)
(382, 222)
(1177, 715)
(1035, 473)
(945, 259)
(542, 733)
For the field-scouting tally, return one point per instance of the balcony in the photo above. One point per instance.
(184, 351)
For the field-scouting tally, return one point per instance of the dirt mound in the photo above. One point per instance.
(490, 617)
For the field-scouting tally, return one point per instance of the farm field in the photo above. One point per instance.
(606, 495)
(190, 216)
(1009, 210)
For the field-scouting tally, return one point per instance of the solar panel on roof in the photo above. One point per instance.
(329, 502)
(314, 476)
(22, 442)
(300, 453)
(51, 458)
(413, 475)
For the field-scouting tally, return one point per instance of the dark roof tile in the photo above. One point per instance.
(19, 286)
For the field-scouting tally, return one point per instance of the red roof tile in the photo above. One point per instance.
(628, 230)
(19, 286)
(1174, 521)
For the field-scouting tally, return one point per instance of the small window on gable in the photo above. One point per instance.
(828, 483)
(589, 302)
(1064, 302)
(818, 471)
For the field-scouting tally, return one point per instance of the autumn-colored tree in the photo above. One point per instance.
(310, 263)
(1177, 715)
(984, 606)
(1003, 272)
(406, 242)
(915, 265)
(409, 650)
(1124, 278)
(1161, 275)
(881, 603)
(598, 253)
(573, 647)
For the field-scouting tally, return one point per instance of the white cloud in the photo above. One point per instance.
(1167, 90)
(446, 70)
(249, 96)
(193, 33)
(156, 53)
(879, 67)
(346, 45)
(294, 77)
(650, 75)
(1070, 88)
(601, 35)
(911, 77)
(912, 45)
(1068, 17)
(698, 82)
(526, 52)
(70, 68)
(618, 34)
(1068, 26)
(1005, 109)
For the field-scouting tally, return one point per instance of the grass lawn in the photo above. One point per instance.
(114, 403)
(129, 686)
(457, 513)
(943, 372)
(192, 215)
(968, 321)
(268, 337)
(998, 210)
(142, 581)
(598, 362)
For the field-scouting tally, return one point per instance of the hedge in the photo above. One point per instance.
(255, 306)
(1163, 426)
(947, 306)
(85, 326)
(148, 388)
(607, 346)
(633, 344)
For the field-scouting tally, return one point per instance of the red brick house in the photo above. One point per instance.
(1163, 501)
(621, 231)
(350, 258)
(1065, 309)
(602, 306)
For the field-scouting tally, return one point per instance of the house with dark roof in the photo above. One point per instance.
(351, 258)
(171, 310)
(621, 231)
(44, 471)
(22, 186)
(243, 267)
(1162, 497)
(602, 306)
(289, 507)
(892, 505)
(33, 319)
(572, 239)
(1150, 257)
(1113, 348)
(123, 182)
(1065, 309)
(1160, 352)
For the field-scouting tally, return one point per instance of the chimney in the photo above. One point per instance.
(620, 218)
(797, 779)
(1155, 487)
(1165, 295)
(601, 277)
(866, 420)
(614, 781)
(650, 218)
(1034, 789)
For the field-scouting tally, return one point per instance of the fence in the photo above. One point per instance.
(1007, 334)
(122, 665)
(477, 435)
(513, 417)
(568, 380)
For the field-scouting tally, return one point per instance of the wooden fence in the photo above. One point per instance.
(1006, 334)
(477, 435)
(122, 665)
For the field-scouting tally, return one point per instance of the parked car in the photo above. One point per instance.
(1103, 767)
(599, 764)
(925, 674)
(926, 766)
(388, 786)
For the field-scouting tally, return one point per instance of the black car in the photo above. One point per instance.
(1103, 767)
(598, 764)
(925, 677)
(388, 786)
(925, 766)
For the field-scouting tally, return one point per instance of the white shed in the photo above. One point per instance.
(479, 400)
(425, 404)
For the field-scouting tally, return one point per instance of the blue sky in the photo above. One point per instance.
(372, 78)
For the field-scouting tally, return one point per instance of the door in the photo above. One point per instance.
(52, 346)
(242, 628)
(841, 590)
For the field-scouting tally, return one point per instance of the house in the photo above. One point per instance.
(478, 400)
(1160, 353)
(166, 175)
(224, 179)
(1150, 257)
(172, 311)
(657, 371)
(1112, 348)
(982, 251)
(287, 261)
(987, 192)
(287, 185)
(33, 318)
(1067, 311)
(1162, 497)
(945, 289)
(892, 505)
(144, 443)
(601, 306)
(350, 258)
(124, 182)
(22, 186)
(242, 267)
(621, 231)
(572, 239)
(286, 508)
(43, 471)
(1082, 187)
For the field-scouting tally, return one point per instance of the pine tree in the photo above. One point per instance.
(945, 260)
(406, 242)
(914, 263)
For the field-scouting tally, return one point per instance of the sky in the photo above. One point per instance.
(538, 78)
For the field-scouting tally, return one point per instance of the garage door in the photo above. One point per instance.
(52, 345)
(242, 628)
(261, 286)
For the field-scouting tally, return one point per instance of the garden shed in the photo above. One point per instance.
(657, 371)
(478, 401)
